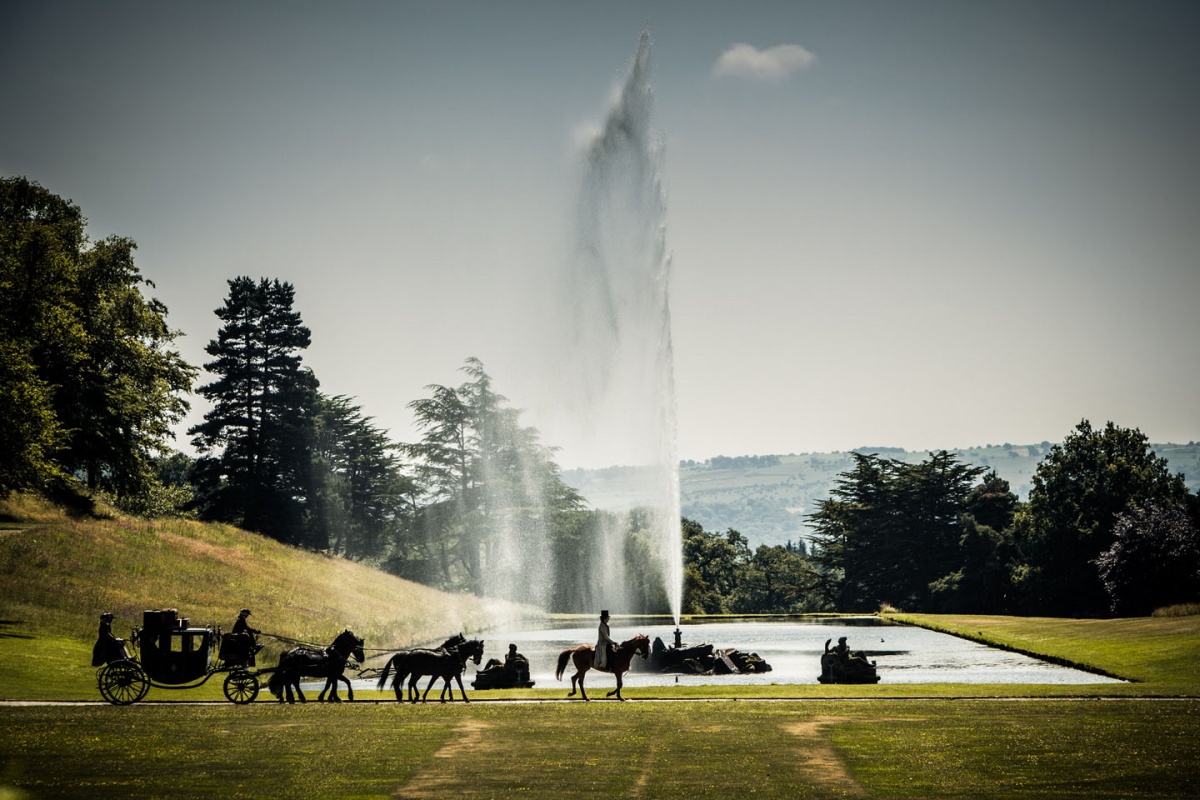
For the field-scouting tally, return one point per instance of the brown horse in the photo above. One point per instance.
(582, 656)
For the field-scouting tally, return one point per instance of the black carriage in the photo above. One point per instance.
(171, 654)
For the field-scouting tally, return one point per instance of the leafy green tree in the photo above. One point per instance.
(891, 530)
(712, 565)
(89, 382)
(364, 499)
(846, 528)
(1080, 489)
(256, 442)
(982, 583)
(992, 502)
(492, 499)
(776, 580)
(1154, 560)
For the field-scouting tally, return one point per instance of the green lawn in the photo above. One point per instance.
(800, 749)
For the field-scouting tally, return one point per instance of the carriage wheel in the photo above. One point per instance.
(123, 683)
(241, 687)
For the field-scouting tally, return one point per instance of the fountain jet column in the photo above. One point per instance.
(619, 366)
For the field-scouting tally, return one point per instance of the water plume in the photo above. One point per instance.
(617, 371)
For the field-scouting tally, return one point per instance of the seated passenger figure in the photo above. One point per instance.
(108, 648)
(516, 664)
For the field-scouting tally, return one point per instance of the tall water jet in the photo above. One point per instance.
(617, 371)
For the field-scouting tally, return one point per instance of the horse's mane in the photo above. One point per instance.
(634, 640)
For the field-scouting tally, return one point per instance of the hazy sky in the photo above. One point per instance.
(916, 224)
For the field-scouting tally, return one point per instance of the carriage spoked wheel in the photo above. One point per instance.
(241, 687)
(123, 683)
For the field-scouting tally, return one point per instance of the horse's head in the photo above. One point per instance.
(642, 645)
(474, 649)
(348, 645)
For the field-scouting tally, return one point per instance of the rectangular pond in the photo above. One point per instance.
(904, 654)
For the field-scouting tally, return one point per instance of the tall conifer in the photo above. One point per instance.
(256, 441)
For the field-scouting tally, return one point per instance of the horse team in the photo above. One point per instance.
(447, 662)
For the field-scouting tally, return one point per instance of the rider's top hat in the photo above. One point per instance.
(604, 613)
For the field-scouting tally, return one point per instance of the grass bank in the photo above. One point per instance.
(58, 572)
(1161, 655)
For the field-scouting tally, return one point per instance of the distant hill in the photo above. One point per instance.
(766, 497)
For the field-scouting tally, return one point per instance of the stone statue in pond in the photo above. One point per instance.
(840, 665)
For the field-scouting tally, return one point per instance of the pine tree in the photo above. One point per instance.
(257, 467)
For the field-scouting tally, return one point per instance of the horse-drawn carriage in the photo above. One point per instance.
(174, 655)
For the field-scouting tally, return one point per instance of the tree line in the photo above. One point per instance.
(91, 384)
(1107, 529)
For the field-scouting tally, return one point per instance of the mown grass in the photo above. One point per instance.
(1162, 654)
(884, 749)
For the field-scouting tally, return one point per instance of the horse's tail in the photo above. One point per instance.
(563, 658)
(277, 683)
(383, 676)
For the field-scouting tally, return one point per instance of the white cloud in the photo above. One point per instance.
(772, 64)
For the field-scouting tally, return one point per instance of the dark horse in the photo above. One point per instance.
(446, 662)
(329, 663)
(582, 656)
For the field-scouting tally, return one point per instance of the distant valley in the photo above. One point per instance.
(767, 497)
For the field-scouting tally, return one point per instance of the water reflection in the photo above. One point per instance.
(905, 655)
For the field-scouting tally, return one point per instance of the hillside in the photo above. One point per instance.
(766, 497)
(59, 572)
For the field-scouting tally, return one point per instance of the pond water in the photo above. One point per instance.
(904, 654)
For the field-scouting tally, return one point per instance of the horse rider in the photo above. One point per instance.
(246, 635)
(108, 648)
(602, 658)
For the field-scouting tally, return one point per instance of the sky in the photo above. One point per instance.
(911, 224)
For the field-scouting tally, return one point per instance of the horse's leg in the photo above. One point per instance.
(349, 688)
(299, 691)
(285, 696)
(432, 681)
(457, 677)
(582, 691)
(413, 690)
(617, 691)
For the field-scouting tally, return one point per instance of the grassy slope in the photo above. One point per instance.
(57, 573)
